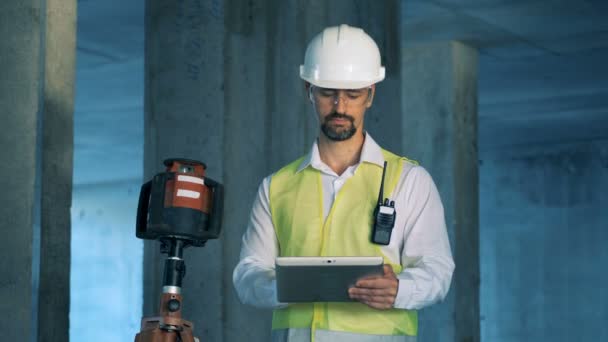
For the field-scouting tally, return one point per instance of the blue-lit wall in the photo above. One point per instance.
(106, 277)
(106, 274)
(543, 247)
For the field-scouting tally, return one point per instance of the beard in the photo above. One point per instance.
(338, 133)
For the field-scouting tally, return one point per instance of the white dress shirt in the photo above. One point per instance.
(419, 239)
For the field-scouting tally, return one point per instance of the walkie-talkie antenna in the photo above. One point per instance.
(381, 194)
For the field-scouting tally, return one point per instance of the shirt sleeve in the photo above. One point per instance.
(426, 252)
(254, 276)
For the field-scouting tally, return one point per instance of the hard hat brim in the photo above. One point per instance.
(342, 84)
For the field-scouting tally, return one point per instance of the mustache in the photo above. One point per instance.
(336, 115)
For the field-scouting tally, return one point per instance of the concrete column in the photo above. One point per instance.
(380, 20)
(292, 126)
(269, 120)
(184, 117)
(57, 165)
(268, 123)
(20, 54)
(439, 129)
(36, 95)
(249, 68)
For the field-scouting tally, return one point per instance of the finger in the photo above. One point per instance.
(388, 269)
(368, 295)
(389, 272)
(372, 292)
(381, 305)
(377, 283)
(381, 300)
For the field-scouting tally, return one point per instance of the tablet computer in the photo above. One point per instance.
(322, 279)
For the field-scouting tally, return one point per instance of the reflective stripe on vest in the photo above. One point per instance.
(296, 205)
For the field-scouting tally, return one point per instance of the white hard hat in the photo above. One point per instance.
(342, 57)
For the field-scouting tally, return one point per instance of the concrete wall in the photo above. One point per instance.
(543, 232)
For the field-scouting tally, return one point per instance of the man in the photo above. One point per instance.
(323, 204)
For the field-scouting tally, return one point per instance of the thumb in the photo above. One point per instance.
(388, 270)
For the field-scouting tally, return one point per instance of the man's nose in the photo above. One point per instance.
(340, 105)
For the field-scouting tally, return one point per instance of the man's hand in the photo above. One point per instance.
(378, 292)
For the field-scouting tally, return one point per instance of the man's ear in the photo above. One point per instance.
(308, 92)
(370, 100)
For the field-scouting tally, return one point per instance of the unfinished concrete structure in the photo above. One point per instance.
(221, 85)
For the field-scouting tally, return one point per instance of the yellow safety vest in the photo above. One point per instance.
(296, 205)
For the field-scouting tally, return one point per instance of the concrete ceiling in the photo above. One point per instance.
(543, 76)
(543, 73)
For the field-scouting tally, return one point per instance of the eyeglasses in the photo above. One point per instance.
(331, 97)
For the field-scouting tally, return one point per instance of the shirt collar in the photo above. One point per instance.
(370, 153)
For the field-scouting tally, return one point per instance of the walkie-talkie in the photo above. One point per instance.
(384, 216)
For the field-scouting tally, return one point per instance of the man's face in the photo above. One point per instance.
(340, 111)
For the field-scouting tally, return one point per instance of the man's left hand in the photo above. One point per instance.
(378, 292)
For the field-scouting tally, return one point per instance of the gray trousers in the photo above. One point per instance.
(303, 335)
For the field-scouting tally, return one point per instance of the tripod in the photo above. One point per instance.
(169, 326)
(179, 207)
